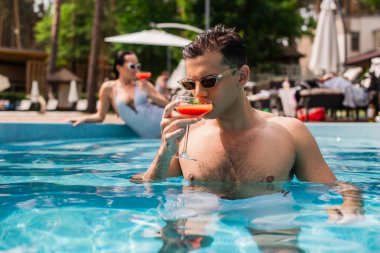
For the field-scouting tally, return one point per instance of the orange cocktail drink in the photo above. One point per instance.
(143, 75)
(194, 109)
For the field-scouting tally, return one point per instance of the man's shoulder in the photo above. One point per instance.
(289, 123)
(284, 120)
(272, 118)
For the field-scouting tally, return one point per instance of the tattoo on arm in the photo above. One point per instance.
(160, 165)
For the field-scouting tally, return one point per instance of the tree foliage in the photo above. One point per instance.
(30, 13)
(132, 16)
(373, 5)
(264, 24)
(74, 32)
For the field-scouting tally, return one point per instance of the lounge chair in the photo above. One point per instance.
(25, 105)
(329, 99)
(52, 104)
(260, 100)
(82, 105)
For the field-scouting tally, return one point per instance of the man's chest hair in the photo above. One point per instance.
(247, 158)
(236, 164)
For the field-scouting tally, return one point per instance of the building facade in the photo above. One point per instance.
(358, 29)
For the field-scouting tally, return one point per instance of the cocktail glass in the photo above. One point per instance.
(193, 107)
(143, 75)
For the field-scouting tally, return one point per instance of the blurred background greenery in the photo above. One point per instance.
(269, 27)
(264, 24)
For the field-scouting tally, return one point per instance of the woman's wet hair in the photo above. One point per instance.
(119, 60)
(219, 39)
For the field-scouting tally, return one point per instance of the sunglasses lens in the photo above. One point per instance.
(188, 85)
(208, 82)
(132, 66)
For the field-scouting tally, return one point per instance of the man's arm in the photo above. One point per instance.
(310, 166)
(351, 209)
(173, 130)
(163, 165)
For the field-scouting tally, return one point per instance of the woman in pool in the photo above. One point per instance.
(131, 99)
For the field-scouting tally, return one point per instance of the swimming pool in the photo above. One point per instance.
(75, 195)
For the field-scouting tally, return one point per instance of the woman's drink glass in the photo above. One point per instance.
(142, 75)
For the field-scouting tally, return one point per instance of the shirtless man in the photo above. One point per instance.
(235, 143)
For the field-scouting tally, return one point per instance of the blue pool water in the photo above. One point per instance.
(75, 195)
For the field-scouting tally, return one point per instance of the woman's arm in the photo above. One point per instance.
(99, 116)
(153, 94)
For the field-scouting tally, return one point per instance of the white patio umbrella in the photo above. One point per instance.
(35, 92)
(375, 66)
(73, 92)
(178, 74)
(325, 53)
(4, 83)
(150, 37)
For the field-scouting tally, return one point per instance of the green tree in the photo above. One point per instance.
(133, 16)
(54, 37)
(29, 15)
(264, 24)
(373, 5)
(94, 57)
(74, 35)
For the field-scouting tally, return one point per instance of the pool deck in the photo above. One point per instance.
(18, 126)
(48, 117)
(60, 116)
(34, 126)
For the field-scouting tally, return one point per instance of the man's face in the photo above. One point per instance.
(225, 91)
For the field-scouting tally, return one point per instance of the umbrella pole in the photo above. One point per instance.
(169, 59)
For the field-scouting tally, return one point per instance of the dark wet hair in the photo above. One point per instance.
(119, 60)
(219, 39)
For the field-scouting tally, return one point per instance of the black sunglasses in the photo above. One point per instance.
(207, 81)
